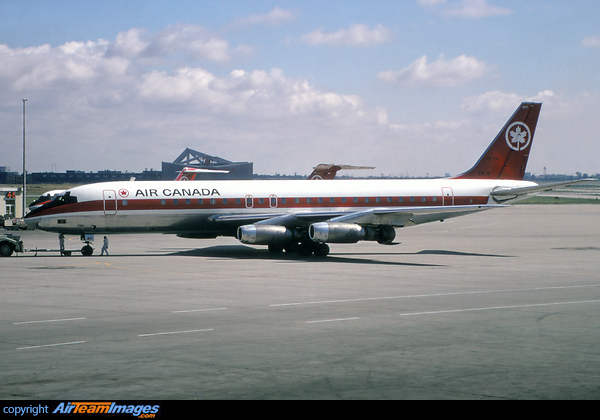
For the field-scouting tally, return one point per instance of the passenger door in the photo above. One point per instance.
(447, 196)
(110, 202)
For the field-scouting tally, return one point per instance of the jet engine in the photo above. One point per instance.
(349, 233)
(264, 234)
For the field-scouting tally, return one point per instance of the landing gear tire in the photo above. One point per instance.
(321, 250)
(306, 249)
(87, 250)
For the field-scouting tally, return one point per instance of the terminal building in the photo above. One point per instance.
(11, 202)
(193, 159)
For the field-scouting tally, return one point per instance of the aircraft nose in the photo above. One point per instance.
(31, 223)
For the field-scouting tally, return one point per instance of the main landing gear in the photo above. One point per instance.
(303, 249)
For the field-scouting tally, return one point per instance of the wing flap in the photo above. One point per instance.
(408, 216)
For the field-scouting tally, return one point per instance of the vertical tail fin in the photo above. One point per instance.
(506, 157)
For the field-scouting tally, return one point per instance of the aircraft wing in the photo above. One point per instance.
(392, 216)
(408, 216)
(503, 194)
(291, 220)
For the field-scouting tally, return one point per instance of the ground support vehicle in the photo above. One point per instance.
(10, 243)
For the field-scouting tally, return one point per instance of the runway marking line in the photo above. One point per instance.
(48, 320)
(491, 308)
(173, 332)
(321, 302)
(198, 310)
(332, 320)
(50, 345)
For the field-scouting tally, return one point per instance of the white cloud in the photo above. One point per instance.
(45, 67)
(130, 43)
(499, 102)
(494, 101)
(260, 94)
(429, 3)
(473, 9)
(440, 73)
(99, 105)
(591, 41)
(192, 41)
(356, 35)
(275, 17)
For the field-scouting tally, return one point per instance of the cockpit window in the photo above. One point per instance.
(64, 198)
(59, 200)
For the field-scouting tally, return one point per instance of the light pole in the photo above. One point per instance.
(24, 168)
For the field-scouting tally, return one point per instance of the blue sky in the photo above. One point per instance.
(413, 87)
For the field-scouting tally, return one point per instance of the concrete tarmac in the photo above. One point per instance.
(503, 304)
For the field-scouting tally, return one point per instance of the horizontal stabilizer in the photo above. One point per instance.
(537, 188)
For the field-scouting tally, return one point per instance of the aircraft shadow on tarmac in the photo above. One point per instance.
(458, 253)
(245, 252)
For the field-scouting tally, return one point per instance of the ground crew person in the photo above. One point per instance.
(105, 246)
(61, 241)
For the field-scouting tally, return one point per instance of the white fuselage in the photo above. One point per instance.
(190, 208)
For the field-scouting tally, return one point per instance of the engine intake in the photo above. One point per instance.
(349, 233)
(264, 234)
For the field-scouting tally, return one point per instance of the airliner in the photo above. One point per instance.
(297, 215)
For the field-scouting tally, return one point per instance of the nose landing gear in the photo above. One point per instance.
(86, 250)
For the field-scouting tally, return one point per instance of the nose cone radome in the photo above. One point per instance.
(32, 223)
